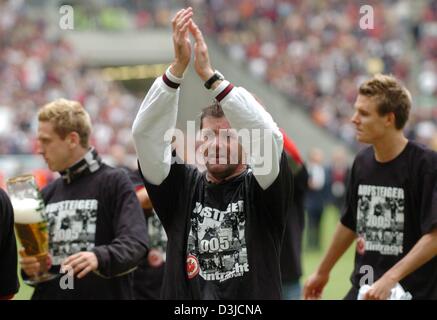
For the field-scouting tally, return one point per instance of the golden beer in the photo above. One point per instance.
(30, 225)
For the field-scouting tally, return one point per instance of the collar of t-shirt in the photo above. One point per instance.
(211, 184)
(91, 162)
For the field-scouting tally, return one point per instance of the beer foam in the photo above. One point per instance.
(25, 211)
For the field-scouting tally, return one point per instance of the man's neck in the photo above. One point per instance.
(77, 155)
(239, 170)
(390, 147)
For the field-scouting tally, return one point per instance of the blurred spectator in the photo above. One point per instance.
(337, 176)
(43, 177)
(316, 196)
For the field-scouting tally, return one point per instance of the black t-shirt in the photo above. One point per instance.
(8, 248)
(391, 206)
(148, 278)
(96, 212)
(224, 240)
(291, 266)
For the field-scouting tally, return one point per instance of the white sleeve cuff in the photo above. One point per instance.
(222, 86)
(172, 77)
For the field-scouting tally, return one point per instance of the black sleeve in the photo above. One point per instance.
(428, 212)
(279, 194)
(300, 183)
(130, 241)
(135, 178)
(8, 248)
(349, 214)
(47, 191)
(299, 194)
(166, 196)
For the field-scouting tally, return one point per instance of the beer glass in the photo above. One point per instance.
(30, 223)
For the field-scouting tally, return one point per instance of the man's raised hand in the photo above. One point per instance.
(202, 65)
(181, 41)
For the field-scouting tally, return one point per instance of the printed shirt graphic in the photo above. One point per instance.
(380, 219)
(157, 235)
(217, 241)
(72, 227)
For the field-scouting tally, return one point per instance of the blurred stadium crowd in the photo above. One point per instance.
(35, 70)
(316, 53)
(312, 51)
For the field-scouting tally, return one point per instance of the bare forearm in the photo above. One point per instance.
(424, 250)
(178, 69)
(343, 238)
(144, 199)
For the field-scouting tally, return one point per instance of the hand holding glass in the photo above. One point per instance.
(30, 223)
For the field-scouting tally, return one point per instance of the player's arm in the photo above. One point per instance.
(343, 238)
(143, 198)
(158, 111)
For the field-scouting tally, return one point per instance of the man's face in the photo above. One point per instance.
(370, 126)
(56, 151)
(222, 153)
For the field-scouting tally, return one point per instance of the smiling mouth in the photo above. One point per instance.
(218, 160)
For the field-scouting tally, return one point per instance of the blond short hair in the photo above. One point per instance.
(67, 116)
(390, 96)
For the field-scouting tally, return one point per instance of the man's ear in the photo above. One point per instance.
(73, 139)
(391, 119)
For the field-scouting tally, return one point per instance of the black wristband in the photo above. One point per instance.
(216, 76)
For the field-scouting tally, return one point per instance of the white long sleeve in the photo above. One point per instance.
(243, 111)
(157, 114)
